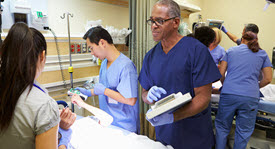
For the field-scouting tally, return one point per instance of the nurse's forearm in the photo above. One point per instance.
(199, 103)
(222, 79)
(267, 76)
(264, 82)
(223, 68)
(48, 139)
(144, 96)
(232, 37)
(92, 92)
(118, 97)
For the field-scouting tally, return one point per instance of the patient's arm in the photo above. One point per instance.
(67, 118)
(104, 118)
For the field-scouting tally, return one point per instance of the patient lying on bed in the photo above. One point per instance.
(89, 133)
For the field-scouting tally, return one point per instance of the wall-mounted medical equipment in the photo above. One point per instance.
(168, 104)
(184, 5)
(32, 12)
(209, 22)
(214, 23)
(39, 19)
(268, 2)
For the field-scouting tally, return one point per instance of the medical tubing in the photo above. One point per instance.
(59, 58)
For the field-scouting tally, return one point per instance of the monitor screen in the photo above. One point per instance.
(214, 24)
(20, 17)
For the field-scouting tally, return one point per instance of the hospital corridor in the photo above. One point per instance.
(137, 74)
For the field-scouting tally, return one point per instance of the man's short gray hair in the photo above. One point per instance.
(174, 8)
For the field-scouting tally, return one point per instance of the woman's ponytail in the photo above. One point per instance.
(252, 39)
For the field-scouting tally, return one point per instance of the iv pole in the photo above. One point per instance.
(70, 69)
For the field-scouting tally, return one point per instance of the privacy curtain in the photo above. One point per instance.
(141, 42)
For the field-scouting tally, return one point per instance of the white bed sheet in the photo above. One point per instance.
(268, 92)
(89, 134)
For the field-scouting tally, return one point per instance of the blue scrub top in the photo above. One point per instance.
(243, 70)
(217, 54)
(121, 76)
(186, 66)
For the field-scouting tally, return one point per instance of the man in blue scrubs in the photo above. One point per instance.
(178, 64)
(117, 88)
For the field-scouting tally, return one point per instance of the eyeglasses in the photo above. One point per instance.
(159, 21)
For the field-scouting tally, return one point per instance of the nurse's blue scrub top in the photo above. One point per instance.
(122, 77)
(243, 70)
(186, 66)
(217, 54)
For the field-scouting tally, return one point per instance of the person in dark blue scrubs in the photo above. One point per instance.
(178, 64)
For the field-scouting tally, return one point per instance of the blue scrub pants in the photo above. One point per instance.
(245, 109)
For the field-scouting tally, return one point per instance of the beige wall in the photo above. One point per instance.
(194, 16)
(236, 13)
(84, 10)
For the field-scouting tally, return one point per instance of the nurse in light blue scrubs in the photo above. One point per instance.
(117, 88)
(217, 52)
(240, 92)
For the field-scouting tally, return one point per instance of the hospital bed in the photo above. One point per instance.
(265, 120)
(87, 133)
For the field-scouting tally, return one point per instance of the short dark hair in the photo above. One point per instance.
(96, 33)
(251, 27)
(174, 8)
(190, 35)
(205, 35)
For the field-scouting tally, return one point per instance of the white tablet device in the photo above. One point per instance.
(168, 104)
